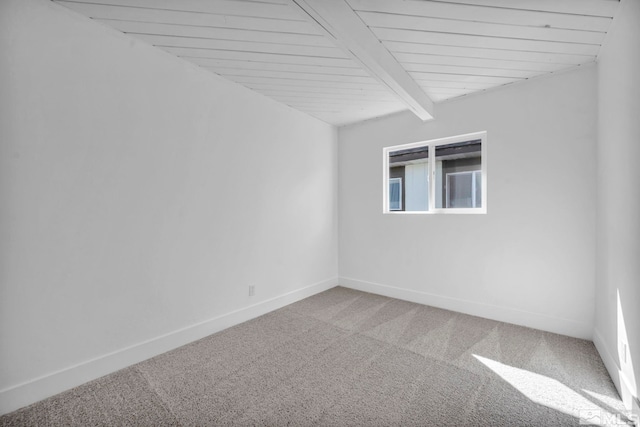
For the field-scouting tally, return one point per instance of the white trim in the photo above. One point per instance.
(558, 325)
(385, 180)
(29, 392)
(439, 141)
(607, 357)
(620, 380)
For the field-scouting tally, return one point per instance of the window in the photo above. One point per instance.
(395, 194)
(440, 176)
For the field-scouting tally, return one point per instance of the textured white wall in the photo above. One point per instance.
(619, 197)
(140, 194)
(530, 260)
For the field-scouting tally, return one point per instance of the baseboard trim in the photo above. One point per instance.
(557, 325)
(620, 380)
(608, 359)
(32, 391)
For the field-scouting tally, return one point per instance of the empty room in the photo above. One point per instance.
(319, 212)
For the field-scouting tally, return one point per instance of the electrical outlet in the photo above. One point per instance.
(252, 290)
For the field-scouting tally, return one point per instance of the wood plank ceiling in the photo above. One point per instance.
(293, 52)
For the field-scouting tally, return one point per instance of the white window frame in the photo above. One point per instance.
(397, 179)
(432, 144)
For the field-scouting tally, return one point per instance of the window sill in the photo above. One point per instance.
(472, 211)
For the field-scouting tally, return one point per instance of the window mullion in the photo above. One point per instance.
(473, 189)
(432, 178)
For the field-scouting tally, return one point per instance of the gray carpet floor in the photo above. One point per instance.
(345, 357)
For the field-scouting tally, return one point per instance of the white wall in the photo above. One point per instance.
(530, 260)
(618, 267)
(140, 195)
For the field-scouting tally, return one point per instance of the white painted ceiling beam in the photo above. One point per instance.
(336, 19)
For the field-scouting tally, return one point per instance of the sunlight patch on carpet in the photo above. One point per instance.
(555, 395)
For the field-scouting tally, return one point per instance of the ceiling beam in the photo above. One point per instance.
(336, 19)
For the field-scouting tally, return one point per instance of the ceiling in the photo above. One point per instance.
(344, 61)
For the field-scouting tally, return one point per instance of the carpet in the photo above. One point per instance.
(344, 357)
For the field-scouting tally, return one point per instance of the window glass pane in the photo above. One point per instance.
(395, 194)
(478, 184)
(459, 190)
(413, 166)
(455, 165)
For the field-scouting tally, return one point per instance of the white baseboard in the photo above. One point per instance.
(622, 383)
(29, 392)
(607, 357)
(556, 325)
